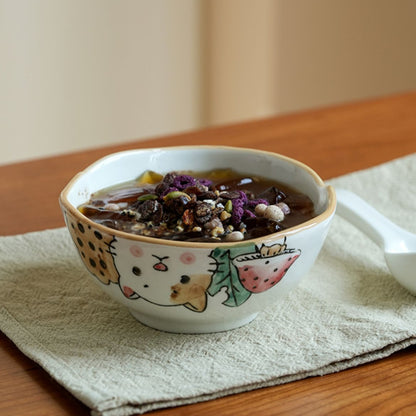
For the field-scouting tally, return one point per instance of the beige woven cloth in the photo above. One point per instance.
(347, 311)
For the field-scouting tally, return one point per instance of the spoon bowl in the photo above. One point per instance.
(398, 244)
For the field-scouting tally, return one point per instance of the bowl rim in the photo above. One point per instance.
(327, 213)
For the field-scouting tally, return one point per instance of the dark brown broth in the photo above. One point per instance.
(127, 194)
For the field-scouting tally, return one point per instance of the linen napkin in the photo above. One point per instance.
(347, 311)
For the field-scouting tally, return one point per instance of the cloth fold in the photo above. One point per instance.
(347, 311)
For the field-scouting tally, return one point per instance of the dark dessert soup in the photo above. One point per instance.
(222, 206)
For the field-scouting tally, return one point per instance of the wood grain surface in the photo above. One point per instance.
(333, 141)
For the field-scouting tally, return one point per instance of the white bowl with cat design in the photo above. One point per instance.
(196, 286)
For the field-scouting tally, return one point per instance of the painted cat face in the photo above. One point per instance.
(165, 276)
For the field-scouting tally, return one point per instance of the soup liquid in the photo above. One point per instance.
(122, 207)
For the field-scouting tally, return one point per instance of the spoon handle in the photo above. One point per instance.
(366, 218)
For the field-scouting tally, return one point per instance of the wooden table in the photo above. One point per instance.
(333, 141)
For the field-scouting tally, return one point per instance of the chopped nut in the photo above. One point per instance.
(128, 212)
(210, 202)
(217, 231)
(225, 215)
(188, 217)
(179, 229)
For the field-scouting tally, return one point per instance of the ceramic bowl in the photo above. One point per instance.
(214, 296)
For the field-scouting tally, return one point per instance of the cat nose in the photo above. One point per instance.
(160, 267)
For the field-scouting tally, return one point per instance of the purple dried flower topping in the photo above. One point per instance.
(237, 214)
(248, 214)
(205, 182)
(237, 203)
(243, 197)
(183, 181)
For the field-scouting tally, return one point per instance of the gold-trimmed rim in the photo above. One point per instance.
(329, 211)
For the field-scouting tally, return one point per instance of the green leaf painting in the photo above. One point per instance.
(226, 275)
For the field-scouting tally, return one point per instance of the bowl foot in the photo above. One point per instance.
(167, 325)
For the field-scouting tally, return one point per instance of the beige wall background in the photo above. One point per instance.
(76, 74)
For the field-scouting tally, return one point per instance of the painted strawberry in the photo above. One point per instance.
(258, 274)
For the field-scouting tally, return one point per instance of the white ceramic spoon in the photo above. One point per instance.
(398, 244)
